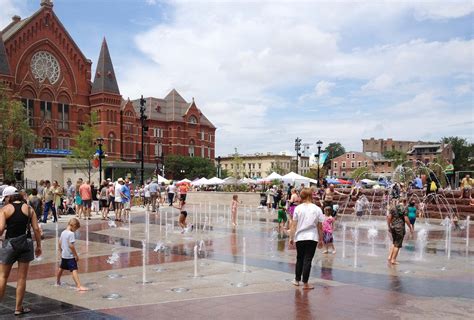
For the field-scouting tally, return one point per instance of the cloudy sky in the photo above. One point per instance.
(266, 72)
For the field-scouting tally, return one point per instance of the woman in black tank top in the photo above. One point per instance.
(17, 217)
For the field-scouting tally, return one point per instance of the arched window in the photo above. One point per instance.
(193, 120)
(111, 142)
(47, 138)
(191, 148)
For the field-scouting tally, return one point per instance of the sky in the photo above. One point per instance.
(266, 72)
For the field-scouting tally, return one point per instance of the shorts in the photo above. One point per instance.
(291, 210)
(282, 216)
(182, 197)
(126, 205)
(68, 264)
(8, 256)
(87, 203)
(412, 220)
(103, 203)
(359, 213)
(327, 237)
(397, 236)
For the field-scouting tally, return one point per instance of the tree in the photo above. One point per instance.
(360, 173)
(237, 164)
(85, 146)
(462, 149)
(180, 167)
(399, 157)
(16, 136)
(334, 150)
(278, 168)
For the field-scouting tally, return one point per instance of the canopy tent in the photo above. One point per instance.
(162, 179)
(296, 179)
(313, 181)
(247, 181)
(332, 181)
(184, 181)
(342, 181)
(230, 181)
(214, 181)
(199, 182)
(273, 176)
(368, 182)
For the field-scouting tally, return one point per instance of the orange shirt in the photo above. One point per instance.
(85, 192)
(183, 189)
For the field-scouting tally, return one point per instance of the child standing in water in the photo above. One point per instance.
(69, 255)
(234, 209)
(412, 213)
(328, 225)
(282, 214)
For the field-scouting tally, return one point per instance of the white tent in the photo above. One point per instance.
(247, 181)
(184, 181)
(200, 182)
(295, 179)
(162, 179)
(214, 181)
(273, 176)
(230, 180)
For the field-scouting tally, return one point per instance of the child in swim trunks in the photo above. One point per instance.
(282, 218)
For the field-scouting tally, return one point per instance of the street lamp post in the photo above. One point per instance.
(298, 154)
(219, 166)
(100, 143)
(143, 118)
(319, 144)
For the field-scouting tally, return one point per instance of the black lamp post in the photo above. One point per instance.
(219, 166)
(100, 143)
(298, 154)
(143, 118)
(319, 144)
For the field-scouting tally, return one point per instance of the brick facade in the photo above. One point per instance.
(59, 103)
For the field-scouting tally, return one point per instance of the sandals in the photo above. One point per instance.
(22, 311)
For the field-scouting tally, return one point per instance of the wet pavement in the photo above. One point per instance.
(166, 283)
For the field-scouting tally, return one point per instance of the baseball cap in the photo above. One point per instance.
(8, 191)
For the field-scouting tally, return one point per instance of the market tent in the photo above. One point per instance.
(162, 179)
(230, 181)
(273, 176)
(214, 181)
(342, 181)
(184, 181)
(368, 182)
(247, 181)
(295, 179)
(332, 181)
(199, 182)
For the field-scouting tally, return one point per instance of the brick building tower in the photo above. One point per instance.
(41, 65)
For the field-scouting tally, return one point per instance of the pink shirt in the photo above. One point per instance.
(85, 192)
(327, 224)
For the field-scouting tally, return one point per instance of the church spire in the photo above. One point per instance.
(105, 80)
(4, 66)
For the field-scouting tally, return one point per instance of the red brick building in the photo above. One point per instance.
(41, 65)
(344, 165)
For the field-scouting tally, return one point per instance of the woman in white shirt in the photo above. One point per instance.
(307, 231)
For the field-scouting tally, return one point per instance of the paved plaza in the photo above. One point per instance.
(225, 283)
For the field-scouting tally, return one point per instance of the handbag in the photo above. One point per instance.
(20, 244)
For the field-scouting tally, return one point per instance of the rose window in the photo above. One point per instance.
(45, 66)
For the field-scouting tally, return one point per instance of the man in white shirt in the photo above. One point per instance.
(171, 193)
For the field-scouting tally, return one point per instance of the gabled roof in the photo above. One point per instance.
(4, 65)
(172, 108)
(105, 80)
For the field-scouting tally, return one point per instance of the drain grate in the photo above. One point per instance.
(114, 276)
(112, 296)
(239, 284)
(180, 290)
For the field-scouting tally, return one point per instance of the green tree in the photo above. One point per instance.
(236, 166)
(16, 136)
(399, 157)
(180, 167)
(463, 150)
(360, 173)
(334, 150)
(85, 145)
(278, 168)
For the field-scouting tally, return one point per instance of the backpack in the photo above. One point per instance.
(433, 186)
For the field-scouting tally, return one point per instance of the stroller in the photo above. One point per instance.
(263, 200)
(68, 205)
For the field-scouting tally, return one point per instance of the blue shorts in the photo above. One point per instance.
(68, 264)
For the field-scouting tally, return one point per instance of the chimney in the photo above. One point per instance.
(16, 19)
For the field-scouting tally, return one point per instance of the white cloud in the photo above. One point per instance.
(151, 2)
(231, 56)
(463, 89)
(323, 88)
(9, 8)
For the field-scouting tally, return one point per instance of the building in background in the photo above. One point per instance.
(426, 153)
(384, 145)
(42, 66)
(344, 165)
(260, 165)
